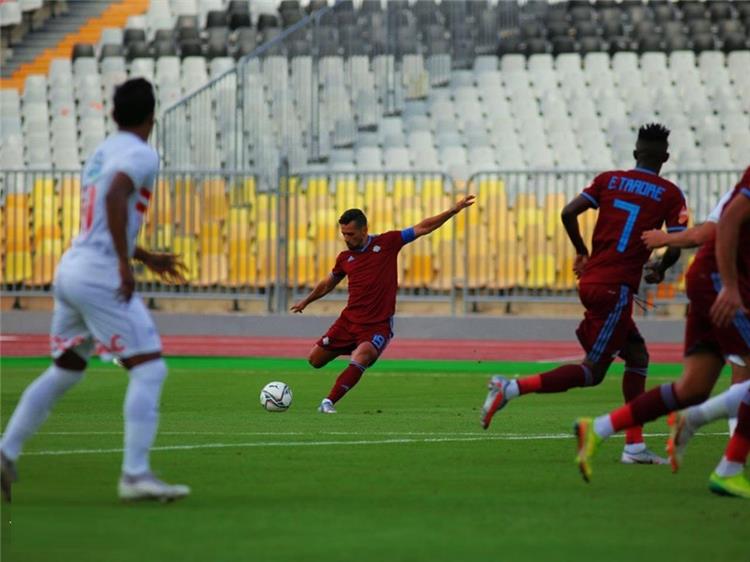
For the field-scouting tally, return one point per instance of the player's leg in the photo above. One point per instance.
(636, 358)
(728, 479)
(128, 332)
(71, 346)
(320, 356)
(702, 368)
(361, 358)
(602, 333)
(740, 374)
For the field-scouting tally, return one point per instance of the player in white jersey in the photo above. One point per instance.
(718, 406)
(95, 301)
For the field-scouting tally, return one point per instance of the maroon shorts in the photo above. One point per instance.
(343, 336)
(608, 321)
(700, 333)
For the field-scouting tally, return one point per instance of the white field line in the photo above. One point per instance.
(507, 437)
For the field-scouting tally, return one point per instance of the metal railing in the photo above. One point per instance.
(241, 241)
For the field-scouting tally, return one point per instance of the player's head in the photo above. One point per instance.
(354, 228)
(134, 104)
(652, 146)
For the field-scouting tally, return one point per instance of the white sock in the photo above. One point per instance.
(142, 415)
(728, 468)
(635, 448)
(512, 390)
(34, 407)
(732, 425)
(723, 405)
(603, 426)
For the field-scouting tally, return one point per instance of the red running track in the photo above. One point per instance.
(26, 345)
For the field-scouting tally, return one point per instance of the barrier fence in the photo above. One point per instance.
(242, 241)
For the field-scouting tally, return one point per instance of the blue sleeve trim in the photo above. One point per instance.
(676, 228)
(745, 191)
(591, 198)
(408, 235)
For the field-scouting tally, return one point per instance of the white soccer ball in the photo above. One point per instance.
(276, 397)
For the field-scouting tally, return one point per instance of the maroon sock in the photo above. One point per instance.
(561, 379)
(653, 404)
(633, 385)
(739, 445)
(347, 379)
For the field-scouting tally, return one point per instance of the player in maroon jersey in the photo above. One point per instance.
(365, 326)
(718, 325)
(629, 202)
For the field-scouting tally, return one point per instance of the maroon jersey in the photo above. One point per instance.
(629, 202)
(705, 269)
(373, 277)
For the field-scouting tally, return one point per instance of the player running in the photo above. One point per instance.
(690, 238)
(629, 203)
(718, 324)
(364, 327)
(94, 300)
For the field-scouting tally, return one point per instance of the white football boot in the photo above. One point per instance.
(642, 457)
(326, 407)
(149, 487)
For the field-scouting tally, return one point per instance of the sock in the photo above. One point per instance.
(646, 407)
(557, 380)
(723, 405)
(346, 380)
(633, 385)
(34, 407)
(732, 422)
(141, 410)
(739, 444)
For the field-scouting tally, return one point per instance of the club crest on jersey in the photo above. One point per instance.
(376, 249)
(351, 258)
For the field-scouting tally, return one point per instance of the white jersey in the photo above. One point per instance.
(121, 152)
(714, 215)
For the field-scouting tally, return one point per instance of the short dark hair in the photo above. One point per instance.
(355, 215)
(653, 132)
(134, 102)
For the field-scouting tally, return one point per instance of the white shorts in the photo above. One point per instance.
(89, 317)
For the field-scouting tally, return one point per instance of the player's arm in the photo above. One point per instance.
(433, 223)
(729, 300)
(688, 238)
(569, 217)
(321, 289)
(116, 202)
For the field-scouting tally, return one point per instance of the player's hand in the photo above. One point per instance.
(462, 204)
(169, 267)
(654, 274)
(297, 308)
(726, 306)
(580, 264)
(127, 283)
(655, 239)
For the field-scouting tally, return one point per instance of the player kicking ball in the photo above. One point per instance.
(94, 300)
(629, 202)
(364, 328)
(718, 325)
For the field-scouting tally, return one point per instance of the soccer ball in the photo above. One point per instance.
(276, 397)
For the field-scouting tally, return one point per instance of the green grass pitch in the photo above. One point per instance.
(403, 472)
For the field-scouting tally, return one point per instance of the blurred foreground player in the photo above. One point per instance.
(364, 328)
(94, 300)
(718, 324)
(690, 238)
(629, 203)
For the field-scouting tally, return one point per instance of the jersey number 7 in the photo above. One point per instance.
(632, 210)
